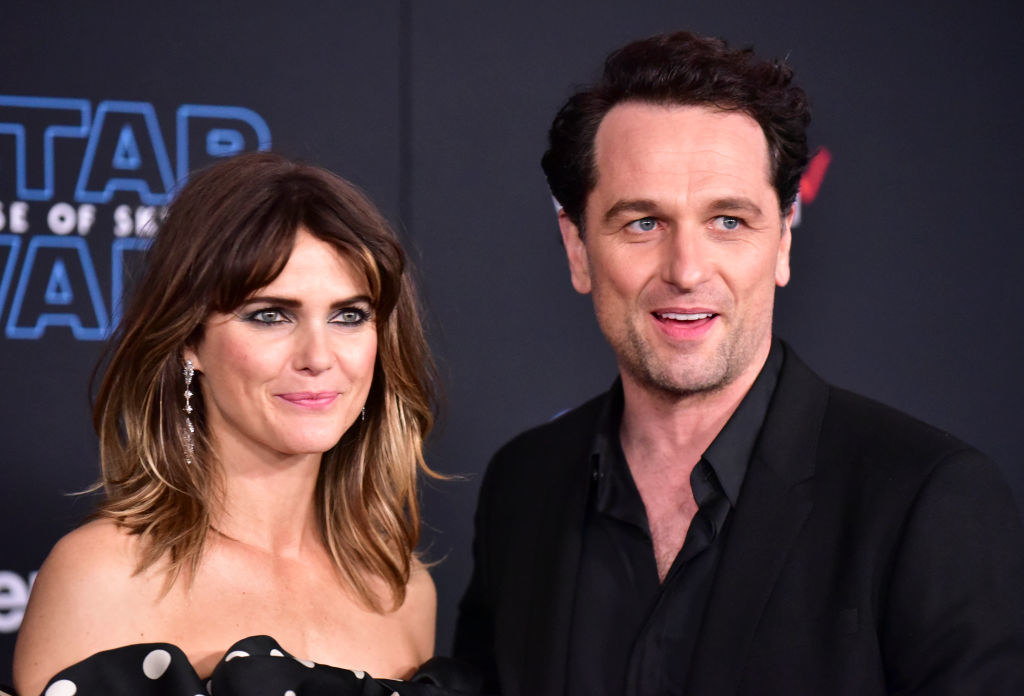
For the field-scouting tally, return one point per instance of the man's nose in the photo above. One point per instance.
(687, 258)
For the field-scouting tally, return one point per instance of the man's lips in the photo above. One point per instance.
(310, 399)
(685, 323)
(684, 316)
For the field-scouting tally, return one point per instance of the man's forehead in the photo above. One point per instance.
(682, 125)
(638, 145)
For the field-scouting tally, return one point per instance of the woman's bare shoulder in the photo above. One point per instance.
(79, 603)
(100, 536)
(95, 561)
(419, 611)
(421, 584)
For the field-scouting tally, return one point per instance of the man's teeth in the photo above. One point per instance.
(675, 316)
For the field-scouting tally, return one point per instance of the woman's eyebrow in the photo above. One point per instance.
(272, 299)
(291, 303)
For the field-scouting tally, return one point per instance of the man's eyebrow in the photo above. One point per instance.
(735, 204)
(646, 206)
(633, 205)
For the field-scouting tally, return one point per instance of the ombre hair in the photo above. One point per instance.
(228, 233)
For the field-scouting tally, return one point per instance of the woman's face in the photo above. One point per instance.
(288, 372)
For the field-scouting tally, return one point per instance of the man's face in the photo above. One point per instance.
(683, 245)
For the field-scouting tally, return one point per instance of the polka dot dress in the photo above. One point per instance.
(255, 666)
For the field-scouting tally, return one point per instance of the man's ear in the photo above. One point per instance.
(782, 261)
(576, 251)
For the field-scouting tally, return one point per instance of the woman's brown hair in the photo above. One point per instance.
(228, 233)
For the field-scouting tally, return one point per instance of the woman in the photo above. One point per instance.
(260, 423)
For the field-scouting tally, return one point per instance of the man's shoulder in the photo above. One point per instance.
(571, 429)
(855, 418)
(564, 439)
(872, 430)
(866, 438)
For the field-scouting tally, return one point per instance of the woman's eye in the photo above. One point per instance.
(645, 224)
(267, 316)
(351, 317)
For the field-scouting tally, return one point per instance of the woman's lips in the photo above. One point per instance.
(310, 399)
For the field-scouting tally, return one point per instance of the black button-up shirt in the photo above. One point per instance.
(632, 635)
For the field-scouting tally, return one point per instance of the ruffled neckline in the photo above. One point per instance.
(254, 666)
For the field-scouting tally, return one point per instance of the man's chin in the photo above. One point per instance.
(703, 377)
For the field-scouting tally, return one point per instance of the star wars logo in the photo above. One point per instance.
(80, 193)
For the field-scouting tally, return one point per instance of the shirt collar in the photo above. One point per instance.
(730, 452)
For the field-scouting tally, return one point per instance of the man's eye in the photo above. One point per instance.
(728, 223)
(645, 224)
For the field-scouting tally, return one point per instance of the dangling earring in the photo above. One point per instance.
(190, 429)
(362, 415)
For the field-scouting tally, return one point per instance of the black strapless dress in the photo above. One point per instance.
(255, 666)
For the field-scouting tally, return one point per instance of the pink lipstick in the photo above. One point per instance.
(313, 400)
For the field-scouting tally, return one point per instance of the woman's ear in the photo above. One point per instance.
(189, 353)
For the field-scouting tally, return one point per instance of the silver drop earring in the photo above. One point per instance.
(362, 415)
(190, 448)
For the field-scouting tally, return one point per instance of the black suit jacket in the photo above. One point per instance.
(868, 554)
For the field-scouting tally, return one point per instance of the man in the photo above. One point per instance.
(722, 521)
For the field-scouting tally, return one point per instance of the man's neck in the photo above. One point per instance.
(664, 430)
(663, 438)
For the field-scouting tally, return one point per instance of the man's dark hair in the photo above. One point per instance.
(680, 69)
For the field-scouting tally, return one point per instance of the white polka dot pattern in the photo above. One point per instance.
(62, 687)
(166, 669)
(156, 663)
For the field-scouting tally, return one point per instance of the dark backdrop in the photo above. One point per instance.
(905, 265)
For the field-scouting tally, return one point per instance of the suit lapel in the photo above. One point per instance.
(773, 506)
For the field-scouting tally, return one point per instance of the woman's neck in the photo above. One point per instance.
(267, 500)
